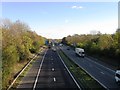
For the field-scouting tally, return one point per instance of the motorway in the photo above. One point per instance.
(48, 72)
(101, 73)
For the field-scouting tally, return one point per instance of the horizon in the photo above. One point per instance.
(56, 20)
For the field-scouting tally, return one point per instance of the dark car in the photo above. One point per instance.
(49, 46)
(68, 48)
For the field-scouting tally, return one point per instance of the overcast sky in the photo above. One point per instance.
(59, 19)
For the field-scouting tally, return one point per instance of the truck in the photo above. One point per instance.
(80, 52)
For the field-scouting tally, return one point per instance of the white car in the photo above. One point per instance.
(80, 52)
(60, 44)
(117, 76)
(54, 49)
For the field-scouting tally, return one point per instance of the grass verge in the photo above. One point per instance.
(22, 75)
(84, 79)
(24, 67)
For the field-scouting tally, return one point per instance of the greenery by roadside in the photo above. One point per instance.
(17, 82)
(104, 46)
(84, 80)
(19, 44)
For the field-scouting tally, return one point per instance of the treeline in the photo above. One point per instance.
(102, 45)
(18, 44)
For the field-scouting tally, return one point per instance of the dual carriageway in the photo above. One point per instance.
(51, 72)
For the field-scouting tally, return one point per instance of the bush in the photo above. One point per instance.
(18, 42)
(9, 59)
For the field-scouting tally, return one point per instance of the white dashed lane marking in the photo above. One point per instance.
(36, 80)
(53, 69)
(102, 72)
(54, 79)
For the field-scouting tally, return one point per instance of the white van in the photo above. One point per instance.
(117, 76)
(80, 52)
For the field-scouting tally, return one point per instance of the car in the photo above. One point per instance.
(60, 44)
(49, 46)
(54, 49)
(68, 48)
(117, 76)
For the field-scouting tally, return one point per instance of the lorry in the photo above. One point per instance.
(80, 52)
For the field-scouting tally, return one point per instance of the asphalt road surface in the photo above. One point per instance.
(104, 75)
(48, 73)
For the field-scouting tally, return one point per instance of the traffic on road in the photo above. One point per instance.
(102, 74)
(50, 71)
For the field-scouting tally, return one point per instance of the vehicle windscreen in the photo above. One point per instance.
(83, 53)
(118, 75)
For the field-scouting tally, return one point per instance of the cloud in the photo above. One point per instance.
(76, 7)
(80, 7)
(66, 21)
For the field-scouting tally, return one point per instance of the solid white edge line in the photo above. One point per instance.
(69, 72)
(21, 73)
(39, 71)
(93, 77)
(90, 74)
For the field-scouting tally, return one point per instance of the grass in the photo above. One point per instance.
(84, 79)
(17, 82)
(23, 74)
(20, 66)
